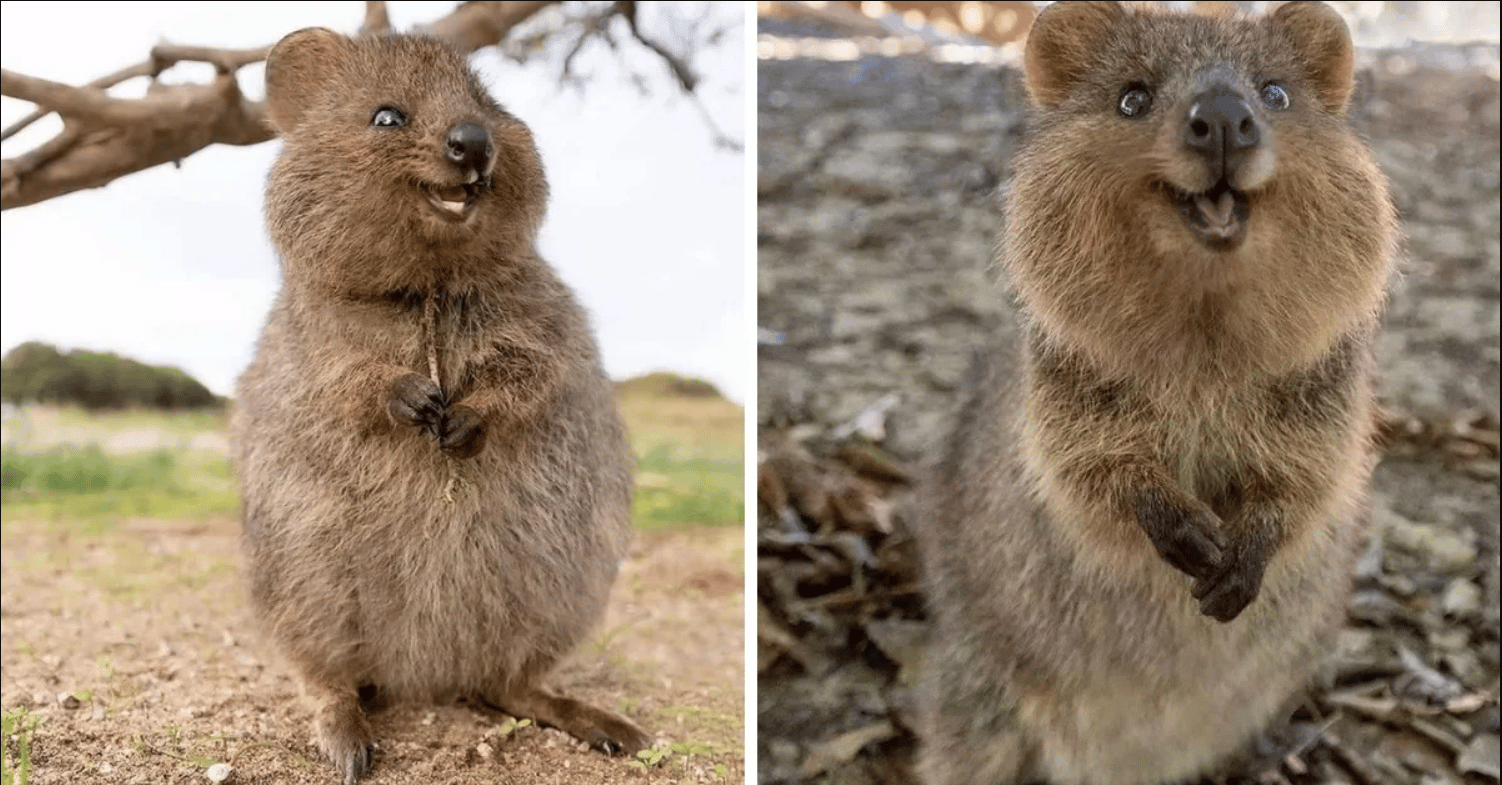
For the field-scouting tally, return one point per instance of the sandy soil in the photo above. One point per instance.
(136, 652)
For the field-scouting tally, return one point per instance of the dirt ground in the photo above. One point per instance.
(135, 650)
(877, 210)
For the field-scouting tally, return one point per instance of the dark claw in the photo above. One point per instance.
(358, 764)
(607, 745)
(343, 736)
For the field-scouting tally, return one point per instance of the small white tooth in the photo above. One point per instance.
(474, 177)
(455, 207)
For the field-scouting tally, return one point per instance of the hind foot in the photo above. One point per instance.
(342, 733)
(602, 730)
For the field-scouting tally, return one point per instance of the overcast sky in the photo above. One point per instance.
(171, 266)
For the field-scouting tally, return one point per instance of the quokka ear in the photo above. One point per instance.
(299, 67)
(1323, 43)
(1062, 43)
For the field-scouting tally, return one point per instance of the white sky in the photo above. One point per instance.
(171, 266)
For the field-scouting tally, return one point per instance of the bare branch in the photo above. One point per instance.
(44, 154)
(105, 137)
(225, 61)
(377, 20)
(102, 83)
(476, 25)
(722, 140)
(89, 155)
(591, 26)
(686, 78)
(598, 26)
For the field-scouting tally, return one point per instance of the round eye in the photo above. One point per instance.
(1135, 102)
(388, 117)
(1274, 96)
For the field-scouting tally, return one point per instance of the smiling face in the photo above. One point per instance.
(1200, 110)
(395, 155)
(1190, 186)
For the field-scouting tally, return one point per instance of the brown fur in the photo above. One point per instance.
(403, 539)
(1138, 541)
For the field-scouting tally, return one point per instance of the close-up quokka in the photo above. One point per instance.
(437, 483)
(1139, 538)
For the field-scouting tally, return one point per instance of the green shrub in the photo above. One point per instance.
(38, 372)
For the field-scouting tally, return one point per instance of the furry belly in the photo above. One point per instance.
(1206, 691)
(428, 576)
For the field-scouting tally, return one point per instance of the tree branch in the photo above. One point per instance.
(377, 20)
(686, 78)
(106, 137)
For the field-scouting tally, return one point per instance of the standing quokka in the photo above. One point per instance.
(437, 483)
(1140, 535)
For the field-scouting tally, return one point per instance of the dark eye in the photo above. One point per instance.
(1274, 96)
(388, 117)
(1135, 101)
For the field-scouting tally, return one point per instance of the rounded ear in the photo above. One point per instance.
(1323, 43)
(1061, 44)
(296, 70)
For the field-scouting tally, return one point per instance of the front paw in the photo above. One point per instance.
(1186, 535)
(416, 400)
(462, 432)
(1226, 594)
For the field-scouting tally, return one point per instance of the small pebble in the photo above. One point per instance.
(427, 719)
(1400, 585)
(1444, 550)
(485, 750)
(1375, 608)
(1465, 665)
(220, 772)
(68, 701)
(1451, 639)
(1355, 642)
(1482, 756)
(1462, 599)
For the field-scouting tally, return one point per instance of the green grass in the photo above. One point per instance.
(678, 487)
(688, 446)
(185, 422)
(16, 729)
(690, 460)
(83, 482)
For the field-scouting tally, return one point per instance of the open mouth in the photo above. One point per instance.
(454, 202)
(1218, 215)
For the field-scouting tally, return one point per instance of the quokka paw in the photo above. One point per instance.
(1187, 536)
(462, 432)
(416, 400)
(1226, 594)
(344, 737)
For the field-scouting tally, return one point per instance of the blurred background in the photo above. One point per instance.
(885, 133)
(129, 309)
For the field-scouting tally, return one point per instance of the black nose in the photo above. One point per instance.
(468, 145)
(1221, 128)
